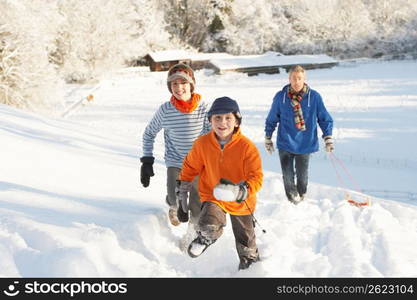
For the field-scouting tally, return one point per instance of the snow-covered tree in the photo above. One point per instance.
(332, 26)
(97, 36)
(149, 27)
(27, 78)
(255, 27)
(216, 39)
(395, 25)
(188, 20)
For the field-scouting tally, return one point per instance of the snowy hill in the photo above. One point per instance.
(71, 204)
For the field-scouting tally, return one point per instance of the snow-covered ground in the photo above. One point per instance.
(71, 204)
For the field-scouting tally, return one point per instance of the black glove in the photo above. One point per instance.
(146, 170)
(228, 191)
(182, 189)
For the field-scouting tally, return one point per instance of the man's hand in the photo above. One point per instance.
(269, 145)
(328, 142)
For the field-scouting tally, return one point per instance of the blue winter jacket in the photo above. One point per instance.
(289, 137)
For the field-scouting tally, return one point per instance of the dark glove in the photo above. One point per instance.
(328, 142)
(181, 191)
(228, 191)
(146, 170)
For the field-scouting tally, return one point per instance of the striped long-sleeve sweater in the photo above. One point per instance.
(180, 131)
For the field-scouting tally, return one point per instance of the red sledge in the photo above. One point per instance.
(356, 203)
(348, 197)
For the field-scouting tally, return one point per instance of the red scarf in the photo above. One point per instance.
(186, 106)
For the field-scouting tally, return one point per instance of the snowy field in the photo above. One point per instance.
(71, 204)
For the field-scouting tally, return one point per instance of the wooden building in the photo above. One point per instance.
(269, 63)
(163, 60)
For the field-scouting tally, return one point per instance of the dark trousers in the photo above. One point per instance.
(213, 219)
(194, 203)
(300, 162)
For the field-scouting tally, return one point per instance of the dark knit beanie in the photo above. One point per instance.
(182, 71)
(224, 105)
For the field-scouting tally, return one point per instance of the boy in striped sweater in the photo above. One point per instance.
(183, 118)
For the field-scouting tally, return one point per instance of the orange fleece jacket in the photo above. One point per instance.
(238, 161)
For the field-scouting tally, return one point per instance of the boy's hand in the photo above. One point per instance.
(228, 191)
(146, 170)
(182, 189)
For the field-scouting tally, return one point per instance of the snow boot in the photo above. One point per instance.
(182, 216)
(198, 246)
(189, 236)
(293, 201)
(246, 262)
(172, 214)
(297, 199)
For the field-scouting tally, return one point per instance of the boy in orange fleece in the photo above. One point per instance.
(230, 174)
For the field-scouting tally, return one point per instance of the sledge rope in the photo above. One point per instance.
(253, 217)
(348, 198)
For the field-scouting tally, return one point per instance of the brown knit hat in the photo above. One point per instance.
(182, 71)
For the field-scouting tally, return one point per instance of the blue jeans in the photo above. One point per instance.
(288, 173)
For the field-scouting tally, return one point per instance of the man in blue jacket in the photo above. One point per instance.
(297, 109)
